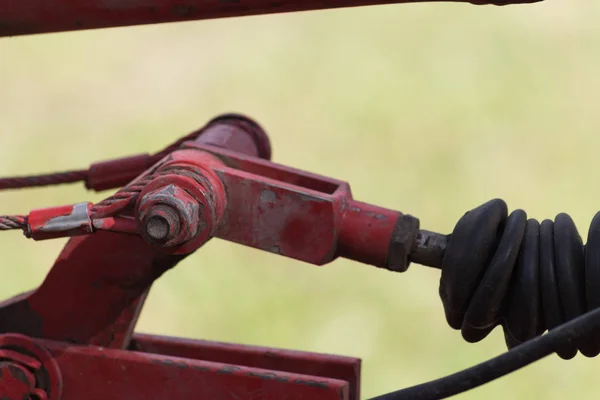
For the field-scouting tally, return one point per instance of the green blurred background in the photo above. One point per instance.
(430, 109)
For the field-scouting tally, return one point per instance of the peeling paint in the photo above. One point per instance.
(79, 217)
(267, 196)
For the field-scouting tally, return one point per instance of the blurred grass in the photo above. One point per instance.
(431, 109)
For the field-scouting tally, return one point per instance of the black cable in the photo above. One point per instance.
(510, 361)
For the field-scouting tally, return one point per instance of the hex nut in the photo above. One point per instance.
(401, 243)
(169, 216)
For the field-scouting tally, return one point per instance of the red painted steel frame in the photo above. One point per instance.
(296, 214)
(244, 199)
(172, 369)
(41, 16)
(318, 365)
(161, 368)
(218, 184)
(99, 304)
(85, 311)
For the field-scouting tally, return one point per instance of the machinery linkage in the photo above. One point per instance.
(497, 269)
(77, 327)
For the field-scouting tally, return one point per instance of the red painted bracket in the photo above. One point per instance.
(85, 311)
(167, 368)
(213, 186)
(297, 214)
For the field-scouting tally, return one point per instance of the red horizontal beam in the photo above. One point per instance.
(22, 17)
(96, 373)
(343, 368)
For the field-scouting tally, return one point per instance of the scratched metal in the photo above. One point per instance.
(197, 201)
(62, 221)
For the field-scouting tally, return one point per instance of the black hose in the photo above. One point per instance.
(510, 361)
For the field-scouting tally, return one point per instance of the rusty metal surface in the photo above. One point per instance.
(429, 248)
(293, 213)
(373, 235)
(40, 16)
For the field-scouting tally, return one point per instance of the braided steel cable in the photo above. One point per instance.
(56, 178)
(121, 199)
(64, 177)
(9, 222)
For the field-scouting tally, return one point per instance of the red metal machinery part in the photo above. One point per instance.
(84, 313)
(40, 16)
(202, 189)
(208, 184)
(100, 303)
(218, 184)
(269, 207)
(27, 370)
(94, 293)
(195, 193)
(167, 368)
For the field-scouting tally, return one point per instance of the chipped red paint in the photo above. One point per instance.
(87, 307)
(41, 16)
(55, 222)
(290, 212)
(187, 185)
(204, 191)
(156, 373)
(365, 232)
(314, 364)
(116, 224)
